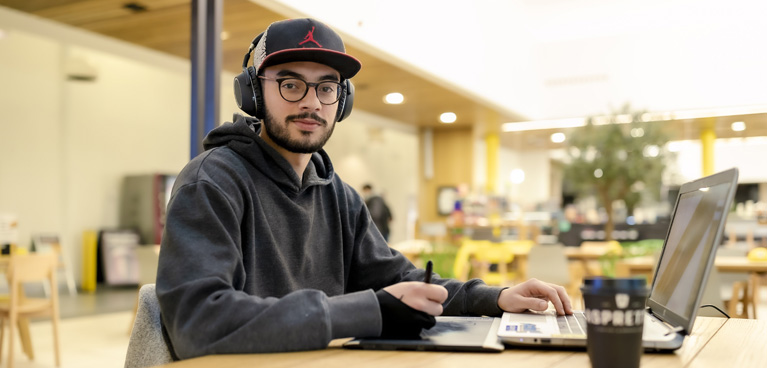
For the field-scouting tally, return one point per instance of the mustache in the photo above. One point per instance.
(306, 115)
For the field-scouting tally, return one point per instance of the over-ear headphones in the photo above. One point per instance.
(248, 94)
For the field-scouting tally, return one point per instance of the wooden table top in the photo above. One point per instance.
(714, 342)
(723, 264)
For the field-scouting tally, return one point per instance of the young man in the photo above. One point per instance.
(378, 209)
(266, 249)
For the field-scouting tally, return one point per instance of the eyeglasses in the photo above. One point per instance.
(294, 89)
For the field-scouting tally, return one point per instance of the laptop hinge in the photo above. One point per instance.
(671, 328)
(674, 330)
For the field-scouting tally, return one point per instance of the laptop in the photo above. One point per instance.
(688, 253)
(475, 334)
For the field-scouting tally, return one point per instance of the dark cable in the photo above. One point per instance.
(717, 308)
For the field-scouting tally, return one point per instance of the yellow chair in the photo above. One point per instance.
(606, 246)
(478, 255)
(758, 254)
(462, 264)
(29, 268)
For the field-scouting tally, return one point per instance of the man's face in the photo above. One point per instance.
(305, 125)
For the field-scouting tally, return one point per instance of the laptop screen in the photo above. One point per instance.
(693, 235)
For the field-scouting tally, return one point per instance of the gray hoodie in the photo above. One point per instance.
(255, 260)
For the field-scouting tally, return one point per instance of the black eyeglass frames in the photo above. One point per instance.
(295, 89)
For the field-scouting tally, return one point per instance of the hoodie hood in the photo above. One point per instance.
(241, 136)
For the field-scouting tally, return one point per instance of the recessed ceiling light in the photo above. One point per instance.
(448, 117)
(558, 137)
(395, 98)
(738, 126)
(224, 35)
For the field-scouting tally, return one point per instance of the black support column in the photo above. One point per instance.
(205, 55)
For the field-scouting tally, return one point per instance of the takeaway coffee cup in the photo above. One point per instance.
(615, 309)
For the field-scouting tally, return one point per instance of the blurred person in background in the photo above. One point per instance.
(378, 209)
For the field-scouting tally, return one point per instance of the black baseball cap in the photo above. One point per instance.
(303, 40)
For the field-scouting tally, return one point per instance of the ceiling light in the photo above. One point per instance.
(517, 176)
(224, 35)
(558, 137)
(738, 126)
(448, 117)
(543, 124)
(394, 98)
(653, 116)
(651, 151)
(675, 146)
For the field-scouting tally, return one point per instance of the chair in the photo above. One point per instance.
(45, 243)
(736, 288)
(33, 267)
(549, 263)
(479, 255)
(462, 263)
(147, 347)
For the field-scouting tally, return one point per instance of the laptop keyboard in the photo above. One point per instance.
(574, 324)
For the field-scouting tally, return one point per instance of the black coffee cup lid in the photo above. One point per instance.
(597, 283)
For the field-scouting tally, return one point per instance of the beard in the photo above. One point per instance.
(280, 134)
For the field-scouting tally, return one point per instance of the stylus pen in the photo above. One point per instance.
(427, 277)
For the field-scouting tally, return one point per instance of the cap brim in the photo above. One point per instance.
(347, 65)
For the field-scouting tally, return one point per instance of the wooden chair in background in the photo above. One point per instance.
(737, 288)
(45, 243)
(33, 267)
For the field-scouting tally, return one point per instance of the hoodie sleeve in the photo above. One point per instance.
(200, 287)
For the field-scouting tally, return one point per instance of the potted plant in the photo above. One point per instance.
(618, 157)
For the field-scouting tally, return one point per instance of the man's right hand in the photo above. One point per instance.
(427, 298)
(409, 307)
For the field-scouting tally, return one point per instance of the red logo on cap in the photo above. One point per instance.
(310, 38)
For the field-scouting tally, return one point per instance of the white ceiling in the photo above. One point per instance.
(548, 59)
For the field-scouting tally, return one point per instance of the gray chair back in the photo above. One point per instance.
(146, 347)
(549, 263)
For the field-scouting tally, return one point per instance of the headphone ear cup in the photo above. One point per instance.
(346, 101)
(244, 92)
(258, 99)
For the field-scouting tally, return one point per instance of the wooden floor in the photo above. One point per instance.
(100, 340)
